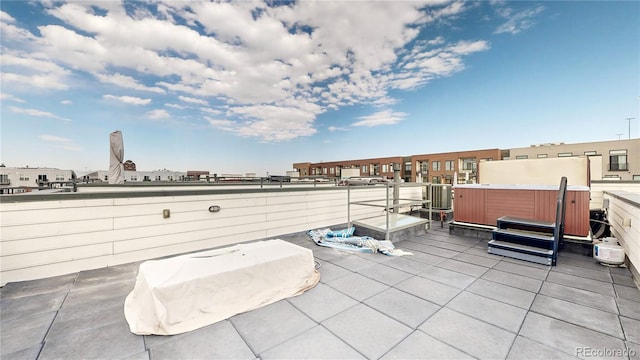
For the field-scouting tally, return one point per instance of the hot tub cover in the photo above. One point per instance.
(184, 293)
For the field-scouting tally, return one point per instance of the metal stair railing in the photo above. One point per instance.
(561, 205)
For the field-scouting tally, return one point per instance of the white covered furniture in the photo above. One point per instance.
(187, 292)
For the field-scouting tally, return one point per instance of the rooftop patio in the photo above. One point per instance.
(449, 300)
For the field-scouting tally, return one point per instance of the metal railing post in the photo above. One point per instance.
(348, 206)
(386, 234)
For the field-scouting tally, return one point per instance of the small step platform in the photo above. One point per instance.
(522, 252)
(508, 222)
(536, 239)
(401, 227)
(524, 239)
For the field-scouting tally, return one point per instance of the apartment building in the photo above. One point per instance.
(382, 167)
(443, 168)
(436, 168)
(609, 160)
(29, 177)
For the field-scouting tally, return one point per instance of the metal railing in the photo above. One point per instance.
(391, 204)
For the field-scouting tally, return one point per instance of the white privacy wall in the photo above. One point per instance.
(624, 216)
(599, 187)
(47, 238)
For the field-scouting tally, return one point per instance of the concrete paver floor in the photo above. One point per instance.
(450, 300)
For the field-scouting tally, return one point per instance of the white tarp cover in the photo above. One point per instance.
(184, 293)
(116, 158)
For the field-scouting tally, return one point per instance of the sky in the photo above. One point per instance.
(253, 87)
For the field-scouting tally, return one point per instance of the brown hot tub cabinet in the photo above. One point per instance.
(483, 204)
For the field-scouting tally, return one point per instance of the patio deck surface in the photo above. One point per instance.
(450, 300)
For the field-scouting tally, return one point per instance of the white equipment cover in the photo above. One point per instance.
(116, 147)
(184, 293)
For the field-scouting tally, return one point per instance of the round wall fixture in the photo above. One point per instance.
(214, 208)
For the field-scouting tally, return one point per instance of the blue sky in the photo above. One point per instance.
(255, 87)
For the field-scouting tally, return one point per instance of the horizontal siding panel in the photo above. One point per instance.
(32, 231)
(185, 217)
(20, 261)
(286, 222)
(183, 248)
(53, 215)
(168, 228)
(188, 198)
(303, 213)
(193, 206)
(48, 205)
(286, 208)
(64, 241)
(185, 237)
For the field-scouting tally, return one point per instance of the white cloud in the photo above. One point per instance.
(10, 32)
(33, 70)
(193, 100)
(38, 113)
(6, 18)
(211, 111)
(335, 128)
(226, 125)
(158, 114)
(519, 21)
(127, 82)
(384, 117)
(175, 106)
(128, 99)
(5, 96)
(273, 68)
(66, 102)
(60, 142)
(53, 138)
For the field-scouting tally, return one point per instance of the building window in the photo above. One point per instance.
(636, 178)
(157, 177)
(590, 153)
(522, 156)
(332, 171)
(469, 164)
(542, 156)
(487, 159)
(4, 179)
(407, 167)
(375, 169)
(24, 177)
(618, 160)
(448, 165)
(170, 178)
(565, 154)
(385, 168)
(59, 177)
(363, 169)
(435, 179)
(106, 178)
(424, 166)
(435, 166)
(134, 178)
(324, 171)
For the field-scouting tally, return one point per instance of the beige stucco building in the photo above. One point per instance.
(609, 160)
